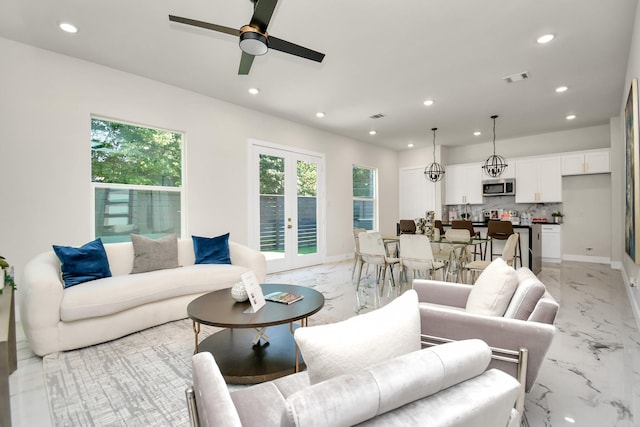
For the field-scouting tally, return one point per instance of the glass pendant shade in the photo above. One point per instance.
(495, 164)
(434, 171)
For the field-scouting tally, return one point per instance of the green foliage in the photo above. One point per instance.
(363, 182)
(127, 154)
(272, 172)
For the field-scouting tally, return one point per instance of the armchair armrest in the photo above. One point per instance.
(443, 293)
(497, 332)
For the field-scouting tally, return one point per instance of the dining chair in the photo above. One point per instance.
(458, 239)
(501, 230)
(407, 226)
(508, 255)
(462, 224)
(356, 250)
(416, 255)
(373, 251)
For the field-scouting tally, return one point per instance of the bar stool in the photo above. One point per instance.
(501, 230)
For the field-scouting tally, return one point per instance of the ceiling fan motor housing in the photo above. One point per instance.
(252, 41)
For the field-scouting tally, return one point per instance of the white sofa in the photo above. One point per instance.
(55, 318)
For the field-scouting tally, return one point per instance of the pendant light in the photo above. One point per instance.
(495, 164)
(434, 171)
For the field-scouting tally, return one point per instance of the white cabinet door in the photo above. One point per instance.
(417, 194)
(597, 162)
(474, 184)
(539, 180)
(551, 243)
(573, 164)
(454, 184)
(527, 181)
(586, 162)
(550, 179)
(463, 184)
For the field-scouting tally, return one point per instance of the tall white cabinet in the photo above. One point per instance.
(463, 184)
(417, 194)
(539, 180)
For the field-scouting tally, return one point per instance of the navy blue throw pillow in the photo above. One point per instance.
(80, 265)
(214, 250)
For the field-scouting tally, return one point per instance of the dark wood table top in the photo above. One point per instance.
(219, 309)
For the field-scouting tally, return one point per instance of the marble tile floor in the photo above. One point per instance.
(591, 376)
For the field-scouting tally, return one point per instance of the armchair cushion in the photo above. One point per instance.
(363, 394)
(493, 290)
(339, 348)
(526, 296)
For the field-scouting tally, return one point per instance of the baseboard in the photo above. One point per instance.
(587, 258)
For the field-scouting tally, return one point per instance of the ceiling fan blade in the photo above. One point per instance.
(245, 63)
(205, 25)
(262, 14)
(294, 49)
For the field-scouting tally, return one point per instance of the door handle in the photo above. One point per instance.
(289, 226)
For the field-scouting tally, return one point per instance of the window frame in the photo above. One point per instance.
(366, 199)
(137, 187)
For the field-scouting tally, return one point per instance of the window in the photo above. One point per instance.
(364, 198)
(136, 174)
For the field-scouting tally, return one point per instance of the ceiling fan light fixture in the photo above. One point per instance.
(253, 42)
(495, 164)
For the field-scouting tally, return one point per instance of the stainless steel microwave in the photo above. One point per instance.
(499, 187)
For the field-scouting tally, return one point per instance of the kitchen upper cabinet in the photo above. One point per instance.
(586, 162)
(539, 180)
(463, 184)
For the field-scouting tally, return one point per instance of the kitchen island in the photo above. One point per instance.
(530, 243)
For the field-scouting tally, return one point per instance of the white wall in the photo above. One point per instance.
(45, 108)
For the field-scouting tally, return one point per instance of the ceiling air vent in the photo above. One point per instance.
(377, 116)
(517, 77)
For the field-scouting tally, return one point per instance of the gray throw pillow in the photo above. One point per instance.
(150, 255)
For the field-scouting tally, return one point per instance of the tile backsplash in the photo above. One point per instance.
(537, 210)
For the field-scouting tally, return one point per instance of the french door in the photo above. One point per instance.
(287, 206)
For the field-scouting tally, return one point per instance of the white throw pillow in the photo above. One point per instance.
(343, 347)
(493, 290)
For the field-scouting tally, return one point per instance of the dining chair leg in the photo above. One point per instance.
(359, 275)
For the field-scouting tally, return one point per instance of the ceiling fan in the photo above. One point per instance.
(254, 40)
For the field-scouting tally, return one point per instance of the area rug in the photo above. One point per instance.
(138, 380)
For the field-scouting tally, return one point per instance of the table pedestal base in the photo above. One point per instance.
(241, 362)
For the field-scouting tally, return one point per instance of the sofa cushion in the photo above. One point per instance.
(83, 264)
(214, 250)
(151, 255)
(119, 293)
(526, 296)
(363, 340)
(363, 394)
(493, 290)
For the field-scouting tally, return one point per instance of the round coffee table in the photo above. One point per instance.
(246, 352)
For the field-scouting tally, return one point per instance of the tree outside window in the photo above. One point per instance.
(136, 173)
(364, 198)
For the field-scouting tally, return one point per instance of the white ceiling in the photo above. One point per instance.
(381, 57)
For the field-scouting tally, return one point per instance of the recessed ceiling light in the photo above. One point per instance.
(69, 28)
(477, 133)
(561, 89)
(569, 420)
(545, 38)
(319, 114)
(410, 145)
(428, 102)
(254, 91)
(571, 116)
(372, 132)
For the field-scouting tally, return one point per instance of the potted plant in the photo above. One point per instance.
(557, 217)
